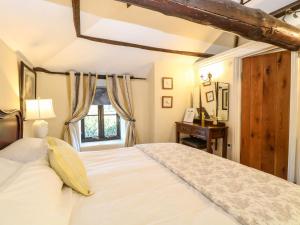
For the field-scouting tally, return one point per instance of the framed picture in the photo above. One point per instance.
(167, 102)
(189, 115)
(167, 83)
(27, 80)
(210, 96)
(225, 99)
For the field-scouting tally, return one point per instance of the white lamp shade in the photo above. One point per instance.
(39, 109)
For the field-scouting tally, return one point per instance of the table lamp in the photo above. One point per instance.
(39, 109)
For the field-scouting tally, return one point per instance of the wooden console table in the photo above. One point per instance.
(208, 133)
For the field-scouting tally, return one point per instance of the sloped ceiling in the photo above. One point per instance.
(43, 31)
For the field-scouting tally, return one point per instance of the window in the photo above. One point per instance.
(101, 124)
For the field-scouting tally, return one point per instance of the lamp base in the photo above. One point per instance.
(40, 128)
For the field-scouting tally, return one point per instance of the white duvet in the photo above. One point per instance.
(132, 189)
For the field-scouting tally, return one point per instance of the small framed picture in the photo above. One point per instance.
(210, 96)
(225, 99)
(189, 115)
(167, 83)
(27, 84)
(167, 102)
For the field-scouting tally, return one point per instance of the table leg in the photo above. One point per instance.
(177, 137)
(224, 149)
(209, 148)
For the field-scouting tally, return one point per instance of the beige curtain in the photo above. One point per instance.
(82, 92)
(120, 95)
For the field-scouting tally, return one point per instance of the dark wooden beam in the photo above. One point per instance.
(236, 41)
(244, 2)
(253, 24)
(126, 44)
(236, 37)
(76, 18)
(100, 77)
(282, 11)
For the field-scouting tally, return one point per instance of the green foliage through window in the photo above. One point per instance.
(102, 123)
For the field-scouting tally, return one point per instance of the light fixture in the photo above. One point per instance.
(38, 110)
(206, 78)
(289, 12)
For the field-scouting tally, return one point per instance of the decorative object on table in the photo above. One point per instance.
(167, 102)
(214, 119)
(27, 79)
(210, 96)
(203, 110)
(167, 83)
(189, 115)
(39, 110)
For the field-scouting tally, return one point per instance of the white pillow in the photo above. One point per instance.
(7, 169)
(34, 196)
(25, 150)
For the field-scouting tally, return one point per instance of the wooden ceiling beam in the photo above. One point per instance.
(284, 10)
(144, 47)
(253, 24)
(76, 19)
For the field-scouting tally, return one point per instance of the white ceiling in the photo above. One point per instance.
(43, 31)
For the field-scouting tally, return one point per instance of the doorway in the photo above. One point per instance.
(265, 112)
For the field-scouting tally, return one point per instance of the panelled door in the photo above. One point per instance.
(265, 112)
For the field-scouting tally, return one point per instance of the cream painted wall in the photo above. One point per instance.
(9, 78)
(141, 98)
(163, 120)
(55, 87)
(223, 72)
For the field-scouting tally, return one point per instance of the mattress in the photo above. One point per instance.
(130, 188)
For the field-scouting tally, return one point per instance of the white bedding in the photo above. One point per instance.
(132, 189)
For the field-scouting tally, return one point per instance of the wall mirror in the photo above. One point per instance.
(223, 101)
(215, 99)
(209, 97)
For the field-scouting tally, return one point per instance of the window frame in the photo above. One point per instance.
(101, 136)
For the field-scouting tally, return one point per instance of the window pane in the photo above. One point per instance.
(93, 110)
(91, 127)
(110, 126)
(108, 109)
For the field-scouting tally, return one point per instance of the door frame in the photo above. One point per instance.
(238, 54)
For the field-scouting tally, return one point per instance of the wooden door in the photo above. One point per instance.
(265, 112)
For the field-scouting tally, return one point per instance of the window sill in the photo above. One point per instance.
(101, 145)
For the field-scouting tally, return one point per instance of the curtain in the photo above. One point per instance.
(120, 95)
(82, 92)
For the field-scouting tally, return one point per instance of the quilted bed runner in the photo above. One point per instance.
(252, 197)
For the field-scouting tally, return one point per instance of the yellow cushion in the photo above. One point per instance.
(65, 161)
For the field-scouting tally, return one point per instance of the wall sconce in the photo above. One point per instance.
(206, 78)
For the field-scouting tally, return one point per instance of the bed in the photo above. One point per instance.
(171, 184)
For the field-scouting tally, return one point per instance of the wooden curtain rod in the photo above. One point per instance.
(282, 11)
(100, 77)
